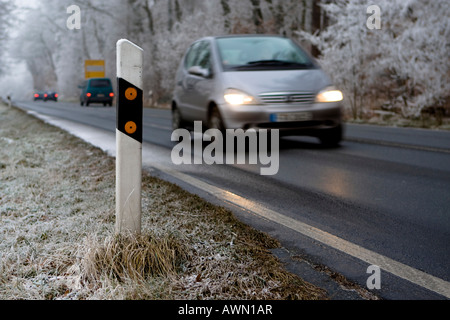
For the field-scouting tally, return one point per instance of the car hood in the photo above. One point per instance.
(258, 82)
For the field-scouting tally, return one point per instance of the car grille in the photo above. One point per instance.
(287, 97)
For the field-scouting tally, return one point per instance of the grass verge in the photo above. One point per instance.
(57, 236)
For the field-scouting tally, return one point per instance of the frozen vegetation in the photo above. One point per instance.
(57, 236)
(400, 70)
(404, 67)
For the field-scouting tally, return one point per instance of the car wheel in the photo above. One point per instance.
(177, 119)
(332, 137)
(215, 120)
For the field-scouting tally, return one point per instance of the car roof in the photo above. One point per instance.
(244, 36)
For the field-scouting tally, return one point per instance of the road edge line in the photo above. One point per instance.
(394, 267)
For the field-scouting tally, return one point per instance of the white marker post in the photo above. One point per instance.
(129, 137)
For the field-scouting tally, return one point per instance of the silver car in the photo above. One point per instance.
(256, 81)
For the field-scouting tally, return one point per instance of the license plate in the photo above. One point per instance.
(101, 95)
(291, 116)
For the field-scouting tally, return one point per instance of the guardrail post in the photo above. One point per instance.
(129, 137)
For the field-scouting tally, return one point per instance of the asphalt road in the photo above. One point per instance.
(384, 194)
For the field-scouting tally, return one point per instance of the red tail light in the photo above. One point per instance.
(36, 95)
(45, 95)
(111, 95)
(88, 94)
(56, 95)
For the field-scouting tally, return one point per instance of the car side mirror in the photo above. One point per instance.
(199, 71)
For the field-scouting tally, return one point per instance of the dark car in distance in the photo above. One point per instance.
(96, 90)
(51, 95)
(46, 96)
(39, 95)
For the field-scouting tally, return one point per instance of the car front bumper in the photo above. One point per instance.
(99, 100)
(285, 117)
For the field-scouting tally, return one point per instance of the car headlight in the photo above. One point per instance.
(236, 97)
(330, 95)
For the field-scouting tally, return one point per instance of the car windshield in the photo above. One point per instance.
(261, 53)
(100, 83)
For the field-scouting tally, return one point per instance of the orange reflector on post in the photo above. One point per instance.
(130, 127)
(131, 94)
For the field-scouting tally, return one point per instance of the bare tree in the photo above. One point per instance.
(6, 7)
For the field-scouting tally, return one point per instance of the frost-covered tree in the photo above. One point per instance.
(35, 46)
(6, 7)
(403, 66)
(163, 28)
(418, 47)
(346, 49)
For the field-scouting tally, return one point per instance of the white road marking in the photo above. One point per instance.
(396, 268)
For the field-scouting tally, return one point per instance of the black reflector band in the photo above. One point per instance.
(129, 110)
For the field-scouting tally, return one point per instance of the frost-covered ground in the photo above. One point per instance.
(57, 231)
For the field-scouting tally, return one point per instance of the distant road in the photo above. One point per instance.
(384, 193)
